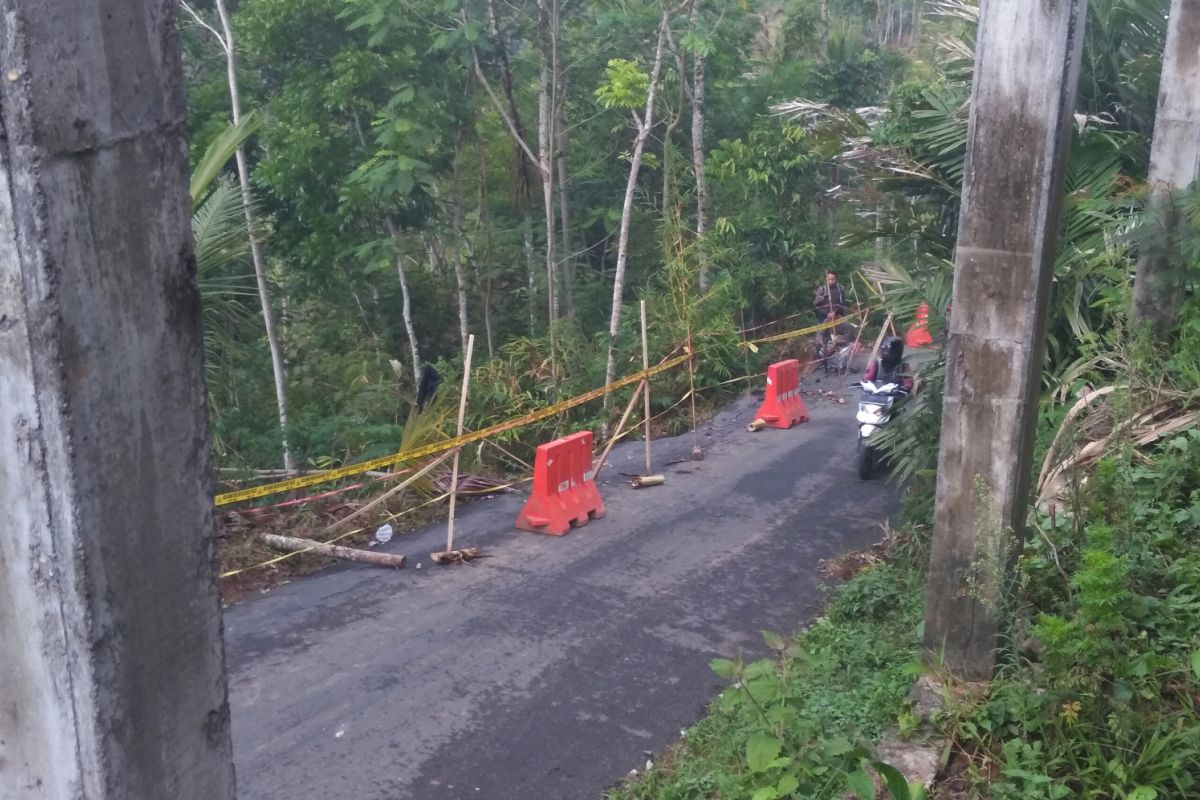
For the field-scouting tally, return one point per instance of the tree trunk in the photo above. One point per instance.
(564, 208)
(260, 269)
(698, 157)
(530, 270)
(669, 131)
(825, 29)
(512, 119)
(456, 223)
(1161, 276)
(548, 58)
(639, 146)
(485, 209)
(292, 544)
(406, 306)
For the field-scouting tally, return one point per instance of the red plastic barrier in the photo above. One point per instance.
(918, 334)
(782, 405)
(563, 489)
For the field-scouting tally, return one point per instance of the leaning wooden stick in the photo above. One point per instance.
(292, 544)
(620, 427)
(391, 492)
(879, 339)
(462, 412)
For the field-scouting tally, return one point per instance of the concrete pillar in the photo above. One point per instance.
(1026, 71)
(111, 667)
(1161, 281)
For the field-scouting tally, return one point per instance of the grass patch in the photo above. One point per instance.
(799, 724)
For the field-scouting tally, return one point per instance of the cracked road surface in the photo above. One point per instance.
(549, 669)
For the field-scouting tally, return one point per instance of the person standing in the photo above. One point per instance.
(829, 299)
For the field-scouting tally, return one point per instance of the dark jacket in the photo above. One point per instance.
(876, 371)
(829, 300)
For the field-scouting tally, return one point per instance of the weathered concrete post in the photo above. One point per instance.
(1174, 165)
(111, 667)
(1026, 70)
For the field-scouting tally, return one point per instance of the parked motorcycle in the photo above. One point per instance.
(834, 352)
(875, 409)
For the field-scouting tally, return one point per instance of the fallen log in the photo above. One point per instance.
(292, 544)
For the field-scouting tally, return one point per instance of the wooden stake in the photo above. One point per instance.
(646, 383)
(462, 413)
(292, 544)
(879, 339)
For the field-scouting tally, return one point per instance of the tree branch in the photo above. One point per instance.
(200, 21)
(512, 128)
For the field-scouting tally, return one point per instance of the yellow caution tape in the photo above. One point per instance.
(413, 454)
(447, 444)
(779, 337)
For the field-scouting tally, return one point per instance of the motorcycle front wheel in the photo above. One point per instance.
(866, 462)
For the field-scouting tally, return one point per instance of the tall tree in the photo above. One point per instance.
(1161, 280)
(620, 90)
(699, 51)
(460, 236)
(228, 44)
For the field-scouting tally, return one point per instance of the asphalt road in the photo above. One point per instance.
(547, 670)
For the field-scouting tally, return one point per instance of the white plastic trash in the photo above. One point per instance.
(383, 533)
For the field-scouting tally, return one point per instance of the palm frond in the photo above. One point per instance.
(223, 148)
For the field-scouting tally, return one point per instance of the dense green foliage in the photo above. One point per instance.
(380, 148)
(387, 175)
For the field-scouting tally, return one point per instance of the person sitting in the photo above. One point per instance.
(889, 367)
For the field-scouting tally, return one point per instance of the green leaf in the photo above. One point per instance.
(896, 782)
(787, 784)
(763, 668)
(837, 746)
(1143, 793)
(773, 640)
(723, 667)
(1196, 664)
(860, 783)
(761, 750)
(765, 793)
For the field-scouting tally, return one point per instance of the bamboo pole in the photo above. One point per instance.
(462, 413)
(646, 396)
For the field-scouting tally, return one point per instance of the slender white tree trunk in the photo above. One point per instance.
(698, 163)
(548, 57)
(260, 270)
(564, 206)
(824, 30)
(639, 147)
(406, 305)
(456, 222)
(527, 241)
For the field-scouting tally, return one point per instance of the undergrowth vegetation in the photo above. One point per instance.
(800, 722)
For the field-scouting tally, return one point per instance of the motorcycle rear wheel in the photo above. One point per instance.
(866, 462)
